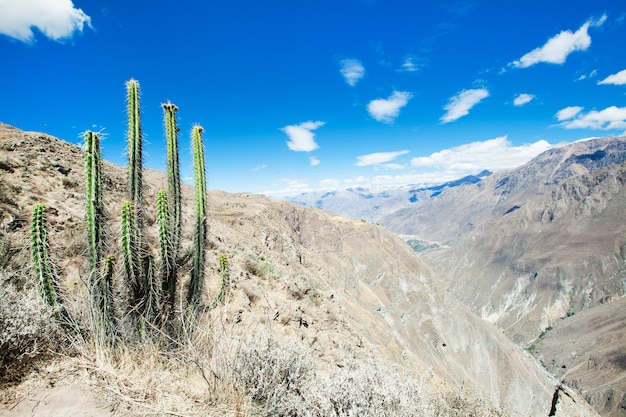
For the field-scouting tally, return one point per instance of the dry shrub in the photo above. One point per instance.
(281, 380)
(27, 327)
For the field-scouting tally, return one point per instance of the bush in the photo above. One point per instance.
(281, 380)
(27, 327)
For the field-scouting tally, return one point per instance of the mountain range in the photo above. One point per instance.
(539, 251)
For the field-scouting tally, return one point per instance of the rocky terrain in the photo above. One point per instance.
(340, 288)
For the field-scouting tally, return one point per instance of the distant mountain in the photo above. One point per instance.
(373, 204)
(540, 252)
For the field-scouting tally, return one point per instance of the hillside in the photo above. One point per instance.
(342, 290)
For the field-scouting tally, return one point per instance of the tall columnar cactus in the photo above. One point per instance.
(94, 199)
(200, 229)
(39, 244)
(130, 253)
(168, 253)
(173, 174)
(135, 137)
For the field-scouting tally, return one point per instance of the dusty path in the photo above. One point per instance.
(60, 401)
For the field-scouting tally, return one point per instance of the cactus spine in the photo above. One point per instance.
(200, 229)
(39, 245)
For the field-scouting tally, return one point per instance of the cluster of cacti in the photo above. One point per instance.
(152, 288)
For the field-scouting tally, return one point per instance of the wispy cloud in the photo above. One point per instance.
(378, 158)
(352, 70)
(301, 137)
(289, 186)
(592, 74)
(57, 19)
(610, 118)
(460, 104)
(493, 154)
(386, 110)
(411, 63)
(259, 168)
(615, 79)
(568, 113)
(522, 99)
(314, 161)
(557, 49)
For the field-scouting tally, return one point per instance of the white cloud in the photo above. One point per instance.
(568, 113)
(301, 136)
(493, 154)
(352, 70)
(522, 99)
(378, 158)
(57, 19)
(460, 105)
(557, 49)
(314, 161)
(386, 110)
(292, 186)
(615, 79)
(259, 167)
(610, 118)
(446, 165)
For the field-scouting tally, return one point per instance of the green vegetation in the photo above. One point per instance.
(421, 246)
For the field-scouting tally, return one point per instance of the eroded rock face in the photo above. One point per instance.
(333, 283)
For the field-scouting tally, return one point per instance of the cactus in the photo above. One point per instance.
(168, 254)
(173, 174)
(132, 268)
(196, 283)
(225, 281)
(39, 244)
(106, 306)
(94, 199)
(135, 158)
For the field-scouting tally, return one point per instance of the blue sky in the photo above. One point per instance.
(299, 95)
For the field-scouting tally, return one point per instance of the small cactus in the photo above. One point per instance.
(224, 279)
(39, 244)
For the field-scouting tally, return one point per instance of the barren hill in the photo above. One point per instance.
(333, 285)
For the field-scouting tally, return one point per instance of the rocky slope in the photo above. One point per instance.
(332, 283)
